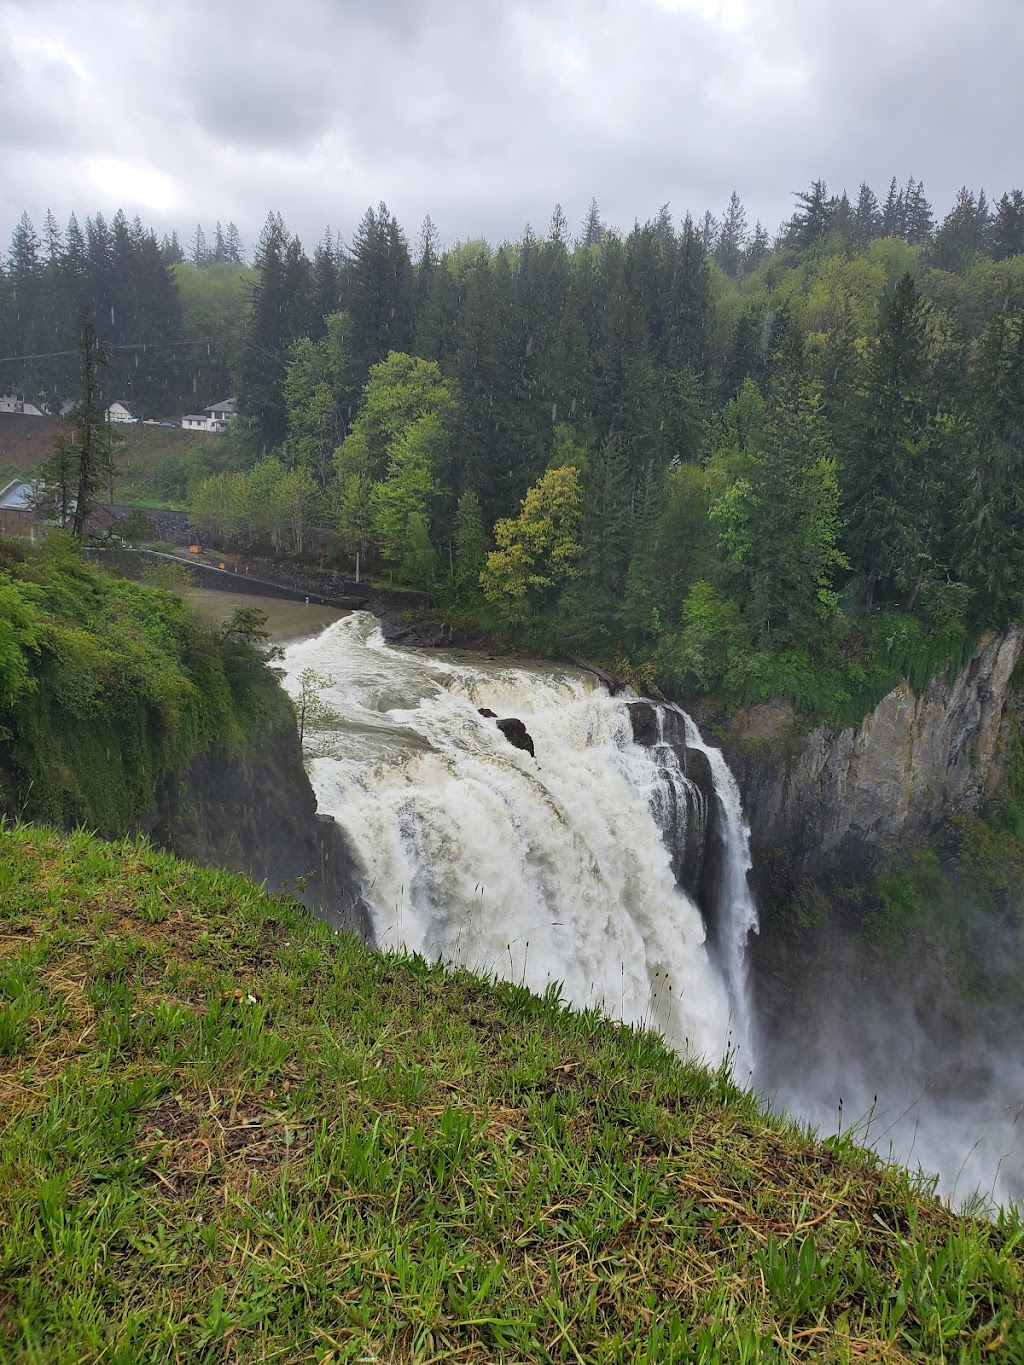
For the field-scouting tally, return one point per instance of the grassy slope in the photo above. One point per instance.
(227, 1135)
(25, 442)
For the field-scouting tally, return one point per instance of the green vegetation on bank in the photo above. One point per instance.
(229, 1135)
(109, 689)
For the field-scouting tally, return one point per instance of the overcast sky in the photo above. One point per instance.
(484, 113)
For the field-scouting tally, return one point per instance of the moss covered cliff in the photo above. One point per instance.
(121, 711)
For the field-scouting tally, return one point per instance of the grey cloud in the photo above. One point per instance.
(485, 113)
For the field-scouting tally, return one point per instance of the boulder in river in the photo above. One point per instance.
(516, 733)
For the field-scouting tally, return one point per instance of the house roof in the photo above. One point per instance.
(226, 405)
(120, 403)
(17, 497)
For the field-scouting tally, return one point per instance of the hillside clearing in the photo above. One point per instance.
(151, 463)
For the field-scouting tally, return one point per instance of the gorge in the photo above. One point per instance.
(615, 863)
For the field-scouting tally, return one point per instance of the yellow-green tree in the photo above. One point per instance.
(537, 551)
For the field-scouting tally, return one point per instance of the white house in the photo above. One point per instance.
(120, 412)
(13, 401)
(214, 418)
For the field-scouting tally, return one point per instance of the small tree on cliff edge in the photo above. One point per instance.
(82, 462)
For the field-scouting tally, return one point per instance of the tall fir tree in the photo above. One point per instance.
(867, 215)
(732, 238)
(1007, 236)
(886, 493)
(378, 289)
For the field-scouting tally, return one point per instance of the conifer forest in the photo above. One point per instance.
(720, 460)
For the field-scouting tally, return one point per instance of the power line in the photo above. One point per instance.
(109, 346)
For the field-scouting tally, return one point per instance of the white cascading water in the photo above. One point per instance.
(552, 869)
(737, 913)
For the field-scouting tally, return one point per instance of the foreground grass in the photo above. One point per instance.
(227, 1135)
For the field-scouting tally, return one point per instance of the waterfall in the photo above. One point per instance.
(554, 868)
(737, 914)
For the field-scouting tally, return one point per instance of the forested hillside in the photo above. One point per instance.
(734, 464)
(169, 337)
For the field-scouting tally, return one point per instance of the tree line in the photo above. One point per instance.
(749, 466)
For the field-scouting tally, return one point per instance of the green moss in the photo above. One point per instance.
(118, 687)
(912, 897)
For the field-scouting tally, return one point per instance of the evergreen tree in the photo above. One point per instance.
(689, 307)
(269, 334)
(707, 231)
(588, 608)
(606, 525)
(780, 524)
(837, 371)
(962, 238)
(170, 249)
(841, 217)
(732, 239)
(593, 232)
(919, 221)
(758, 247)
(378, 288)
(812, 218)
(558, 230)
(746, 357)
(326, 284)
(639, 618)
(867, 216)
(75, 249)
(663, 229)
(52, 239)
(1008, 226)
(470, 546)
(991, 526)
(81, 465)
(439, 290)
(234, 250)
(894, 212)
(887, 494)
(569, 371)
(199, 253)
(26, 336)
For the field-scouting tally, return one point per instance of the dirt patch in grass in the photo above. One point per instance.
(188, 1145)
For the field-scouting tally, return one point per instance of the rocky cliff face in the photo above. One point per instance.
(838, 803)
(830, 810)
(256, 813)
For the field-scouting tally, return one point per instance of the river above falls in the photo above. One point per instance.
(286, 620)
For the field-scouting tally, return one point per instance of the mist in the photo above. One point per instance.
(922, 1060)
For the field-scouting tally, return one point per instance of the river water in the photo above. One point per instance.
(286, 620)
